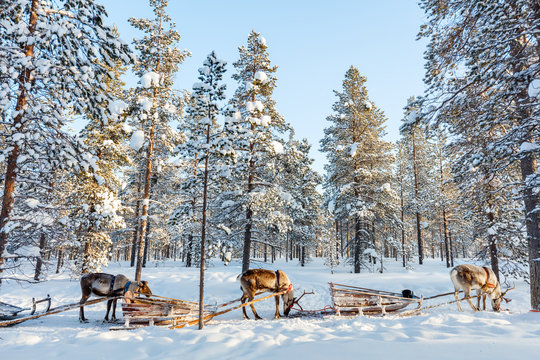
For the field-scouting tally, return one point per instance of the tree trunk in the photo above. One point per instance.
(418, 216)
(203, 232)
(146, 201)
(528, 167)
(146, 254)
(39, 262)
(10, 179)
(446, 242)
(136, 223)
(59, 260)
(189, 252)
(403, 252)
(357, 246)
(451, 244)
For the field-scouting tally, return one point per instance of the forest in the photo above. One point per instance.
(159, 173)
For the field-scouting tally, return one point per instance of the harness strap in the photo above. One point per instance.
(111, 287)
(487, 278)
(126, 287)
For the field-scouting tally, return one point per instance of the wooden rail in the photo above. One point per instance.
(55, 310)
(208, 317)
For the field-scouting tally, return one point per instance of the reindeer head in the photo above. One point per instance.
(496, 303)
(288, 301)
(143, 288)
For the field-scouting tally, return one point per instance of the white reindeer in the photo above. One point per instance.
(482, 279)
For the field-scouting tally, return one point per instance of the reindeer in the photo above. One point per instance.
(260, 280)
(101, 284)
(483, 280)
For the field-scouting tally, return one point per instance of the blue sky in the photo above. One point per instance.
(312, 42)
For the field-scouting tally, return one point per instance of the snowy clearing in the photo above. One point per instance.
(442, 333)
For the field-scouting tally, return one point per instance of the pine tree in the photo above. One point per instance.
(303, 201)
(157, 103)
(258, 144)
(418, 148)
(202, 146)
(96, 209)
(358, 174)
(65, 46)
(483, 65)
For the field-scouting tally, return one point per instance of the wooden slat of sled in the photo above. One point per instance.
(158, 312)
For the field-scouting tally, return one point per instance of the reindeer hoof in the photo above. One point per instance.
(258, 318)
(83, 321)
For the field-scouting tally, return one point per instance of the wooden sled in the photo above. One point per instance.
(9, 312)
(158, 311)
(352, 300)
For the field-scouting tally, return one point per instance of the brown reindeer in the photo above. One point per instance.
(483, 280)
(260, 280)
(101, 284)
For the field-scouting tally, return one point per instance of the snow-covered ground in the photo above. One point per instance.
(441, 333)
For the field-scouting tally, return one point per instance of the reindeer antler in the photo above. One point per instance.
(504, 293)
(296, 300)
(507, 290)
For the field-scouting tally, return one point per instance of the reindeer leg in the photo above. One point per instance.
(456, 294)
(276, 316)
(109, 302)
(243, 300)
(257, 317)
(468, 298)
(84, 297)
(484, 300)
(478, 296)
(113, 318)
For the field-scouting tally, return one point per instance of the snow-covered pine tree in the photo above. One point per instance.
(156, 102)
(202, 147)
(52, 57)
(359, 171)
(303, 201)
(482, 62)
(94, 203)
(420, 190)
(257, 141)
(204, 140)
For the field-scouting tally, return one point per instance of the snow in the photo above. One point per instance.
(146, 103)
(117, 107)
(261, 76)
(32, 203)
(528, 147)
(255, 105)
(353, 148)
(266, 120)
(137, 140)
(440, 333)
(534, 88)
(278, 147)
(368, 105)
(150, 79)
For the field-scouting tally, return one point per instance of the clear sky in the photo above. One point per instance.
(313, 43)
